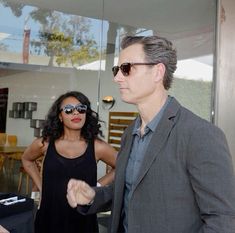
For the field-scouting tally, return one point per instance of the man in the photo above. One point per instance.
(174, 171)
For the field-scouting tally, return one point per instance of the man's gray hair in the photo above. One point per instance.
(157, 50)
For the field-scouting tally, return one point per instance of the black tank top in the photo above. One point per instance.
(55, 215)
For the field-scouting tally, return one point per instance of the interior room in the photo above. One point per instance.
(35, 69)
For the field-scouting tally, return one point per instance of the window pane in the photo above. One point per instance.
(191, 27)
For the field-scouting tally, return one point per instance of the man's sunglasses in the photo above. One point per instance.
(126, 67)
(69, 108)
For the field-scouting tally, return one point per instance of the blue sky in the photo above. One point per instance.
(14, 26)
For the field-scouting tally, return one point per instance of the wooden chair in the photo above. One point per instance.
(23, 173)
(3, 139)
(2, 160)
(118, 122)
(12, 140)
(12, 157)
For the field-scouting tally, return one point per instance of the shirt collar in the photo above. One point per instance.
(152, 125)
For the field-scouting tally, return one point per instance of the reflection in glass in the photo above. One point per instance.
(193, 36)
(46, 37)
(77, 52)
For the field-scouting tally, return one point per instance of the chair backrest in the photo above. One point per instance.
(3, 139)
(2, 159)
(118, 122)
(12, 140)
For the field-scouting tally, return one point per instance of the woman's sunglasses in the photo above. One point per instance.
(69, 108)
(126, 67)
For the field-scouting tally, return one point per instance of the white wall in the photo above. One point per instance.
(43, 88)
(225, 97)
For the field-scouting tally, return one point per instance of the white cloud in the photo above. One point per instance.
(4, 35)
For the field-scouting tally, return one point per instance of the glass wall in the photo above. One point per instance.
(42, 52)
(50, 47)
(191, 27)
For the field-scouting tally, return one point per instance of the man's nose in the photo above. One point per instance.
(119, 77)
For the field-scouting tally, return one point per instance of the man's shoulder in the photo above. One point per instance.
(186, 114)
(196, 125)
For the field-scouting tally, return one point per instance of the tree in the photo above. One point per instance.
(66, 39)
(16, 7)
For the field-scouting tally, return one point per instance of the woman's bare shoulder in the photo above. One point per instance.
(39, 144)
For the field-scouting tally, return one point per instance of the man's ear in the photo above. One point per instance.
(160, 70)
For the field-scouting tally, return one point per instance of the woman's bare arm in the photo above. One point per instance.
(31, 154)
(107, 154)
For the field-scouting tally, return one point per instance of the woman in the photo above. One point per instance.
(72, 149)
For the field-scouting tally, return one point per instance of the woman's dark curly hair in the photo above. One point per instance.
(53, 127)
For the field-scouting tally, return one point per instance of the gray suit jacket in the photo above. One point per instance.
(185, 184)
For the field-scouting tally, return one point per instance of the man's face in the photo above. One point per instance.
(139, 84)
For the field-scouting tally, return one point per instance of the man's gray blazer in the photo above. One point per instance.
(185, 184)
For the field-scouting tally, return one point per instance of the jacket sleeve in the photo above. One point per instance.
(102, 201)
(212, 177)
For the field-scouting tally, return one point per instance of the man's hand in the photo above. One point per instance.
(79, 193)
(3, 230)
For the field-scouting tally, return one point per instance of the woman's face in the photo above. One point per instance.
(73, 114)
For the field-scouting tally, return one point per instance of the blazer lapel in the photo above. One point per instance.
(123, 155)
(158, 139)
(120, 171)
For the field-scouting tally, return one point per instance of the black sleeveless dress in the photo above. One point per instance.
(55, 215)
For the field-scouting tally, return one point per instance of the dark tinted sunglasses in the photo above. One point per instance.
(126, 67)
(69, 108)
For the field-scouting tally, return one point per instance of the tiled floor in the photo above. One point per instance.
(9, 182)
